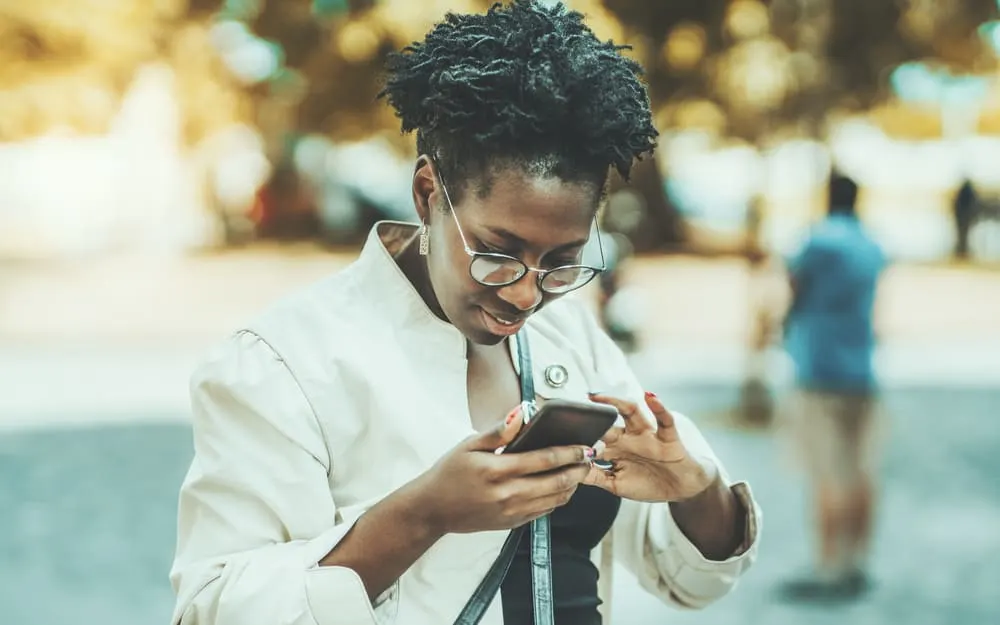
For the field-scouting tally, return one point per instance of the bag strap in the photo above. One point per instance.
(541, 530)
(541, 540)
(524, 367)
(541, 571)
(481, 599)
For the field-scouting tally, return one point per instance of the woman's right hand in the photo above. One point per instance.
(473, 489)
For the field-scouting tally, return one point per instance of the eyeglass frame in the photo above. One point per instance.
(541, 273)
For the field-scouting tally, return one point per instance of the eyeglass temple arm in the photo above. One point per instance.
(600, 244)
(451, 208)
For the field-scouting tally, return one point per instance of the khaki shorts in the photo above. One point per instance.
(834, 437)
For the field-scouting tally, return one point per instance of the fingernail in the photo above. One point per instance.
(650, 395)
(592, 393)
(589, 453)
(512, 415)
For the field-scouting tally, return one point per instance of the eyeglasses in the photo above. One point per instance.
(498, 270)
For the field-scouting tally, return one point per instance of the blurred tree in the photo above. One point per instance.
(333, 52)
(672, 40)
(843, 50)
(771, 63)
(68, 63)
(344, 70)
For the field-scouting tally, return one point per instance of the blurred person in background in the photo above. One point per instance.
(345, 468)
(965, 214)
(832, 414)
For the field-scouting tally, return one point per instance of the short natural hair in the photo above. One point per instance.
(526, 85)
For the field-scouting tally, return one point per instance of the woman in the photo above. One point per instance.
(345, 470)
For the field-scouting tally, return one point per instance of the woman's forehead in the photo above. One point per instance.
(533, 211)
(518, 191)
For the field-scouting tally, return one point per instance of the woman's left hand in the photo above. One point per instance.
(649, 462)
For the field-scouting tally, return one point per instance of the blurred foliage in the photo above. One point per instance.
(67, 63)
(744, 68)
(736, 68)
(340, 56)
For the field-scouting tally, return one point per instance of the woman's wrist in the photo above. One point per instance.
(424, 519)
(712, 520)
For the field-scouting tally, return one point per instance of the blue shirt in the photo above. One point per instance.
(829, 328)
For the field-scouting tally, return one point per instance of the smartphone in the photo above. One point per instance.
(563, 422)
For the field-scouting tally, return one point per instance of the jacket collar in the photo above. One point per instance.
(380, 281)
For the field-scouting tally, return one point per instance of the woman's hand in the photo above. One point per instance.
(649, 461)
(474, 489)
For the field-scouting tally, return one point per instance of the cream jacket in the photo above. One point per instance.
(336, 397)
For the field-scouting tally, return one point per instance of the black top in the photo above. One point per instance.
(577, 528)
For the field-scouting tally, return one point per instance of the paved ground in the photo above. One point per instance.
(86, 532)
(937, 543)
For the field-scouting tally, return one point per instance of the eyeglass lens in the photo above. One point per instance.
(498, 271)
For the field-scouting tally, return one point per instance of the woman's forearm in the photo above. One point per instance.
(712, 521)
(385, 541)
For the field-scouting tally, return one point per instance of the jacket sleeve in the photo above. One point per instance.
(649, 543)
(256, 514)
(646, 539)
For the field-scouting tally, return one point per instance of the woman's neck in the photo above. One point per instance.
(414, 267)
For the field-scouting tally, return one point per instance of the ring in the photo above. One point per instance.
(604, 465)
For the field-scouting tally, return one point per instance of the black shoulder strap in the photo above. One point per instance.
(480, 600)
(541, 558)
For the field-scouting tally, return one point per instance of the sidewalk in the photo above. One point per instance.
(686, 298)
(116, 339)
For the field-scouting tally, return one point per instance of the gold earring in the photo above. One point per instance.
(425, 240)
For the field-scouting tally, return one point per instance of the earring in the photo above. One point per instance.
(425, 240)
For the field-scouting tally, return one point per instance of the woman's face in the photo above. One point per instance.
(544, 222)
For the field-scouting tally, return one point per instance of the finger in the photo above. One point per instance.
(539, 495)
(540, 490)
(542, 506)
(635, 421)
(665, 430)
(610, 438)
(599, 448)
(548, 459)
(498, 436)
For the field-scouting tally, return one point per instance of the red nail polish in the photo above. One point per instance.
(512, 415)
(590, 453)
(650, 395)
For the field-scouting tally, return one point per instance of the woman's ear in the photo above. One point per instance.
(424, 185)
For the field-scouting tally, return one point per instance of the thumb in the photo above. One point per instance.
(499, 435)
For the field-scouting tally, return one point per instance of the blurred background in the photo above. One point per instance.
(169, 167)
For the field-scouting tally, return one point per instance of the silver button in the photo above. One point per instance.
(556, 375)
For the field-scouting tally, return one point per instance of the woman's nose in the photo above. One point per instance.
(523, 294)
